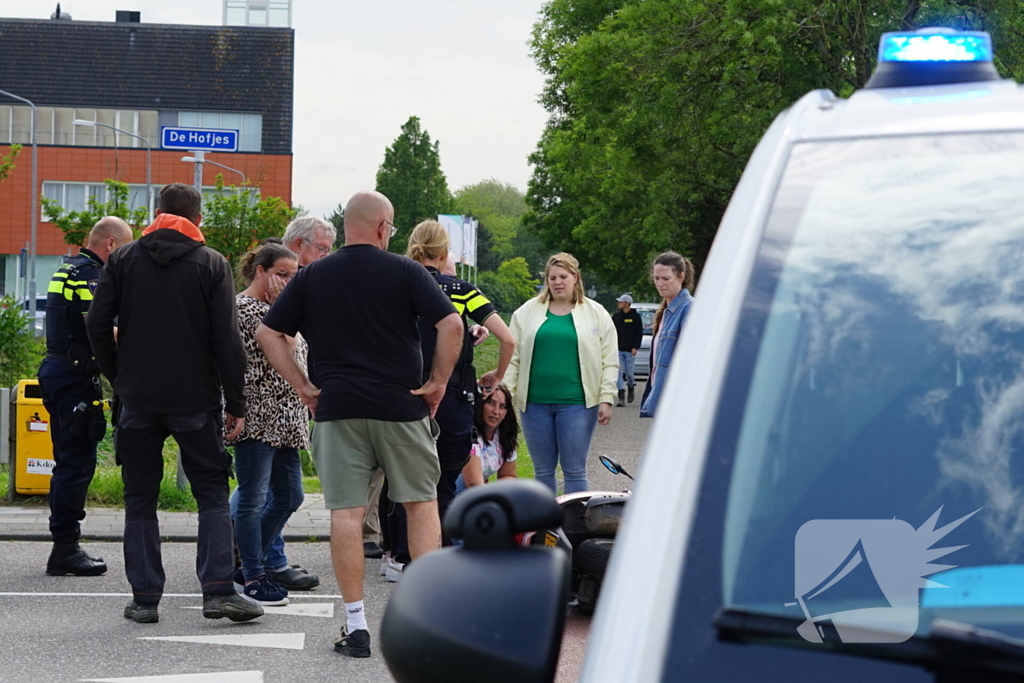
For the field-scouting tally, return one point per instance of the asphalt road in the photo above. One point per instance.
(623, 441)
(72, 629)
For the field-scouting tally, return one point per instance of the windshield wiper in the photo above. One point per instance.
(946, 645)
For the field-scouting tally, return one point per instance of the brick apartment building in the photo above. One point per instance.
(139, 78)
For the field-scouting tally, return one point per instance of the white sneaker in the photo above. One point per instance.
(394, 571)
(384, 564)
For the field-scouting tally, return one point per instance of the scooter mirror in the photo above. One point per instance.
(446, 621)
(613, 467)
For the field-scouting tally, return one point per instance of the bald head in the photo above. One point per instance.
(368, 215)
(108, 234)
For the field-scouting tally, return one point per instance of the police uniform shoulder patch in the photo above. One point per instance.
(92, 285)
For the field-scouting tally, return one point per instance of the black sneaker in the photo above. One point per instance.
(265, 592)
(294, 579)
(141, 614)
(355, 644)
(234, 607)
(372, 551)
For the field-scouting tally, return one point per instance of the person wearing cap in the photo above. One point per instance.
(630, 329)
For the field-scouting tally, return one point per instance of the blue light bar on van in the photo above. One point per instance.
(935, 45)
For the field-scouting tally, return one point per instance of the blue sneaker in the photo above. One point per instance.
(265, 592)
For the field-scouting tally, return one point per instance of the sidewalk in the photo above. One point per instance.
(311, 521)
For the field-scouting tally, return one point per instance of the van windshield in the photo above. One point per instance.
(877, 378)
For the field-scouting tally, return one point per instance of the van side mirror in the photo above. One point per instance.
(489, 610)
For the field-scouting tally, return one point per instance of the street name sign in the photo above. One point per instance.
(199, 139)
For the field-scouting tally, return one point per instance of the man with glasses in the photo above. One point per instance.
(370, 408)
(311, 238)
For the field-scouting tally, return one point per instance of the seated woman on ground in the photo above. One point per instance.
(495, 438)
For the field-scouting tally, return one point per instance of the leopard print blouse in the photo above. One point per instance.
(274, 413)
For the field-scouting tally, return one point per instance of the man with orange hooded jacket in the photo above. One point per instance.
(177, 353)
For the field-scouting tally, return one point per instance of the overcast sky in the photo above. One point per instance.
(363, 68)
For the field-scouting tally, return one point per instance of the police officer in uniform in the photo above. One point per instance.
(70, 383)
(429, 245)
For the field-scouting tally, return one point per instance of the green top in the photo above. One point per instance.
(555, 369)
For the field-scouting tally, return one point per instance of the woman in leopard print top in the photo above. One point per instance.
(276, 427)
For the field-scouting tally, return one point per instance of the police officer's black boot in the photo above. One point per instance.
(630, 396)
(69, 558)
(622, 399)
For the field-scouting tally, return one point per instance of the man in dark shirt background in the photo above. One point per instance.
(358, 310)
(630, 329)
(177, 355)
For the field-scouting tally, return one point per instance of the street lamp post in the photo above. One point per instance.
(35, 207)
(204, 160)
(149, 149)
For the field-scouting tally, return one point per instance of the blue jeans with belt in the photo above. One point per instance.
(559, 433)
(262, 469)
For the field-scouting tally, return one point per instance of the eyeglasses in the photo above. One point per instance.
(283, 276)
(394, 228)
(321, 249)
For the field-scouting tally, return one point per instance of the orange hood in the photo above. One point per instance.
(166, 221)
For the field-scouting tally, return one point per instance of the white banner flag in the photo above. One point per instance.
(453, 225)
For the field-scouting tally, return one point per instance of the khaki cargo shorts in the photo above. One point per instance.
(346, 453)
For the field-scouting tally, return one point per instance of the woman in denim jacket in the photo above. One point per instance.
(673, 277)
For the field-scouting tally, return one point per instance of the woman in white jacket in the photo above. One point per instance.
(562, 375)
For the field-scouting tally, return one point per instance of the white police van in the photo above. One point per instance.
(846, 407)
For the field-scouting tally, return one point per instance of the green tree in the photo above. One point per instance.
(509, 286)
(655, 107)
(76, 224)
(20, 352)
(337, 219)
(411, 177)
(236, 220)
(7, 162)
(499, 207)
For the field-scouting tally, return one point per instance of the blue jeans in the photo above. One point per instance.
(559, 434)
(626, 369)
(259, 518)
(274, 558)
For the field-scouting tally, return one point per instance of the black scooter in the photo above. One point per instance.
(590, 522)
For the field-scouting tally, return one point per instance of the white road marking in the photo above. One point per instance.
(284, 641)
(315, 609)
(217, 677)
(311, 596)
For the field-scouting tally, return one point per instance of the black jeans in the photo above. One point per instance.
(140, 440)
(74, 457)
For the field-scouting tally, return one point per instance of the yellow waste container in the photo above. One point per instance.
(32, 464)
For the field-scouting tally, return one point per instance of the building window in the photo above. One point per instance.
(249, 126)
(234, 13)
(55, 126)
(75, 196)
(277, 13)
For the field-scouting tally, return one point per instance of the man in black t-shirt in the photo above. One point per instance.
(630, 329)
(358, 310)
